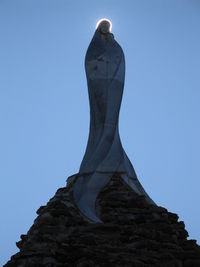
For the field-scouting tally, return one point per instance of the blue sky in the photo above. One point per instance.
(44, 107)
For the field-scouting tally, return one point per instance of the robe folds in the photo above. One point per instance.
(104, 155)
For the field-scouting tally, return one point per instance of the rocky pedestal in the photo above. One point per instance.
(133, 233)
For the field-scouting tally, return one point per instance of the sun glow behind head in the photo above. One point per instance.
(104, 19)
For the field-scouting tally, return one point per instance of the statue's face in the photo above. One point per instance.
(104, 26)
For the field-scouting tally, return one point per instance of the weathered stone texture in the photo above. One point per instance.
(133, 233)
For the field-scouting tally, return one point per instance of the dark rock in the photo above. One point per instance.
(133, 233)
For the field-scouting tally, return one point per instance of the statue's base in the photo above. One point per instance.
(133, 233)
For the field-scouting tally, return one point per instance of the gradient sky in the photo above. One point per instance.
(44, 107)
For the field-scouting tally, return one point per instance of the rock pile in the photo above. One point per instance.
(133, 233)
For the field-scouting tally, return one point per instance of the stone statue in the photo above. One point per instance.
(105, 71)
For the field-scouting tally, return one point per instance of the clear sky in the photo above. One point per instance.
(44, 107)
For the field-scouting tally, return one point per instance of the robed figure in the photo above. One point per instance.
(104, 156)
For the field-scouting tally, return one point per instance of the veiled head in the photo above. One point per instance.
(104, 25)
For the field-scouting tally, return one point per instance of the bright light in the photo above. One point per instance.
(97, 25)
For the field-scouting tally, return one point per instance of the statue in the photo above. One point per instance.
(104, 156)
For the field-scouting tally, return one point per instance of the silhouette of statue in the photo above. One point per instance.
(105, 71)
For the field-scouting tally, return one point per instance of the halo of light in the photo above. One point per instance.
(97, 25)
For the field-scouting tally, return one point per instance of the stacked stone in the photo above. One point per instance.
(133, 233)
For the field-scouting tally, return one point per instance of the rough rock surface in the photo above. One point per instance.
(133, 233)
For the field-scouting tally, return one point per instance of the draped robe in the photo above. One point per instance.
(104, 156)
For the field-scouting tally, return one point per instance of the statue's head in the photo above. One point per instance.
(104, 26)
